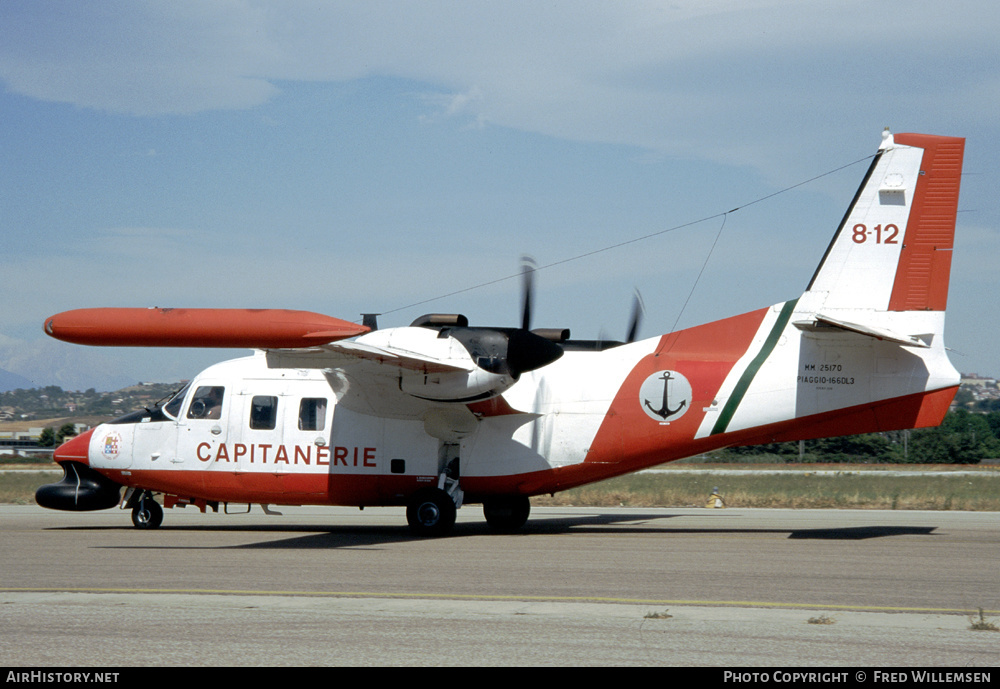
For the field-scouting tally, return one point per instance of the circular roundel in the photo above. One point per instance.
(665, 395)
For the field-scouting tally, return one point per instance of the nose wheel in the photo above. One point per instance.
(147, 513)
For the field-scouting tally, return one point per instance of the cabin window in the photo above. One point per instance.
(312, 414)
(206, 402)
(263, 412)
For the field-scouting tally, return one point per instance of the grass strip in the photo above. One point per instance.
(801, 490)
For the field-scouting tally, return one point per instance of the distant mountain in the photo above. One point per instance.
(44, 361)
(12, 381)
(48, 362)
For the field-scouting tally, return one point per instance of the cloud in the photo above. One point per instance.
(135, 58)
(659, 75)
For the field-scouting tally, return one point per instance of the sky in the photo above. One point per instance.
(401, 157)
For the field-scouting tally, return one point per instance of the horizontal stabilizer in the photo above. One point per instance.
(884, 334)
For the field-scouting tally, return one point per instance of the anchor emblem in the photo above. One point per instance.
(676, 391)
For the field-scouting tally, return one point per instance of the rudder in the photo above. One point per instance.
(925, 262)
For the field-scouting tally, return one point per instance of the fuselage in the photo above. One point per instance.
(244, 432)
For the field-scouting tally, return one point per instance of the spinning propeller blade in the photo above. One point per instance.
(528, 268)
(638, 309)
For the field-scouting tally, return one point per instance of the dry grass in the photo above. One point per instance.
(18, 487)
(821, 619)
(981, 624)
(869, 490)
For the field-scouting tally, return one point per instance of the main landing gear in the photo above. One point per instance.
(431, 512)
(507, 514)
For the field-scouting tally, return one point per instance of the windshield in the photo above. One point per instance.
(173, 407)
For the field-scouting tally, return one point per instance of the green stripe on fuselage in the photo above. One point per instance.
(748, 375)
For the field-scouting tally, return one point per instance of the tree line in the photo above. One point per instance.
(50, 437)
(963, 437)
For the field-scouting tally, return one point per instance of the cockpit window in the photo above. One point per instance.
(312, 414)
(206, 402)
(263, 412)
(173, 407)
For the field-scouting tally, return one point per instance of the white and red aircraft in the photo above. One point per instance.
(440, 413)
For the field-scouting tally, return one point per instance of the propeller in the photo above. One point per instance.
(527, 350)
(638, 309)
(504, 350)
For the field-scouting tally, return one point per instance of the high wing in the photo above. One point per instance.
(401, 372)
(351, 354)
(224, 328)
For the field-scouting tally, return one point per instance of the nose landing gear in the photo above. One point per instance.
(146, 513)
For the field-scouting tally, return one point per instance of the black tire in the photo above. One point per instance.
(431, 512)
(507, 514)
(147, 514)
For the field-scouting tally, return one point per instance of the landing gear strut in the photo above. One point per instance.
(506, 514)
(431, 512)
(147, 513)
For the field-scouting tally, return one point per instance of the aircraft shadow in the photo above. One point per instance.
(643, 523)
(362, 536)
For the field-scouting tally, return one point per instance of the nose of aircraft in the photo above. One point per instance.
(74, 449)
(81, 487)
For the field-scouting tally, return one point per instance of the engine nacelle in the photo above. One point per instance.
(456, 386)
(451, 373)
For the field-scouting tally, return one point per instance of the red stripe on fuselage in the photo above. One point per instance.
(704, 355)
(276, 489)
(912, 411)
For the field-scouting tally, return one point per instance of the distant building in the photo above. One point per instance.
(978, 381)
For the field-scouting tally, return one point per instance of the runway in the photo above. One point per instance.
(580, 586)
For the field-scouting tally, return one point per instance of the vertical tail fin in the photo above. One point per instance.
(893, 249)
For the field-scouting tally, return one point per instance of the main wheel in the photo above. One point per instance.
(431, 512)
(507, 514)
(147, 513)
